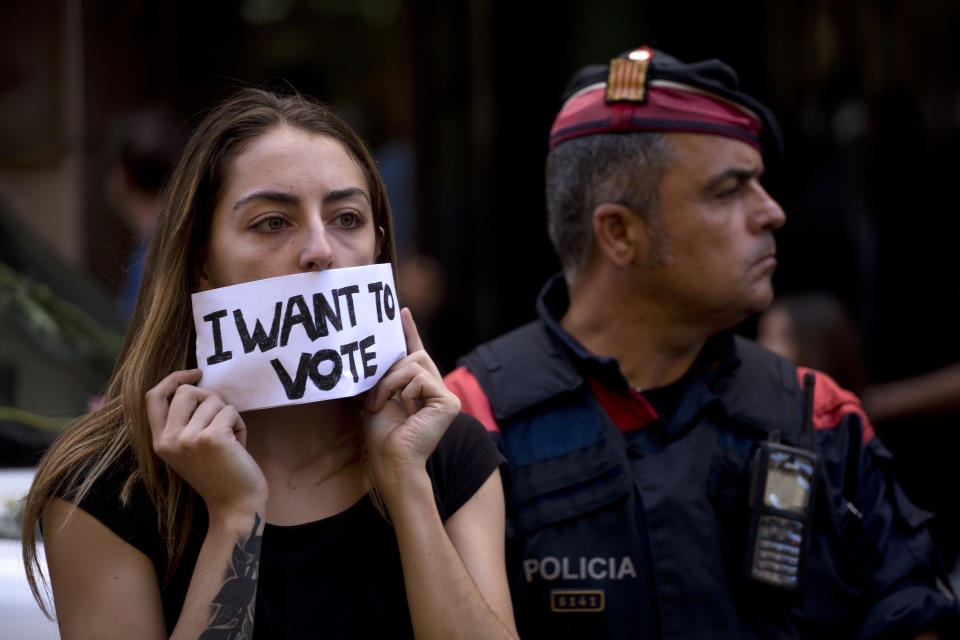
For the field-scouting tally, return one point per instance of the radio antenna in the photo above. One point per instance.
(806, 436)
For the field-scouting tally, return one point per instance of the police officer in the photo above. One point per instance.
(632, 417)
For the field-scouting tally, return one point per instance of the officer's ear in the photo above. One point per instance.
(618, 232)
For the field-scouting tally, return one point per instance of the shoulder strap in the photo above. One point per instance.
(764, 393)
(521, 369)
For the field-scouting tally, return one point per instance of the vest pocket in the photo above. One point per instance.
(564, 487)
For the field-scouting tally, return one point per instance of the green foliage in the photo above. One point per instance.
(58, 327)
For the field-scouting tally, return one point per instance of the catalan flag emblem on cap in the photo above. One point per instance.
(628, 76)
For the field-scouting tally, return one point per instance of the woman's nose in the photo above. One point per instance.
(316, 254)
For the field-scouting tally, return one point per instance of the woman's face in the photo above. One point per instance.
(293, 201)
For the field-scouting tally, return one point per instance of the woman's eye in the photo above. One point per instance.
(270, 225)
(348, 220)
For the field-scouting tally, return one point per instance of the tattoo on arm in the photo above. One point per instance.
(231, 612)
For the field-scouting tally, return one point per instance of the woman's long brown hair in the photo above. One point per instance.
(161, 336)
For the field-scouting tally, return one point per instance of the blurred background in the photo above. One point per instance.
(456, 100)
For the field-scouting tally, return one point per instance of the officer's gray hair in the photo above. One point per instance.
(585, 172)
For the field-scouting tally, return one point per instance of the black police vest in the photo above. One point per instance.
(638, 535)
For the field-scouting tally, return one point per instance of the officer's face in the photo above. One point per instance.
(715, 253)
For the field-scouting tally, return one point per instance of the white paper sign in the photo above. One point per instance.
(299, 338)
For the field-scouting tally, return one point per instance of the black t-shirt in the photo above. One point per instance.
(339, 577)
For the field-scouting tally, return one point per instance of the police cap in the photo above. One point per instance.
(648, 90)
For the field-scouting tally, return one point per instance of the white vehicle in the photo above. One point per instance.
(20, 615)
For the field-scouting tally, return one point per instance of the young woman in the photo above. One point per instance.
(167, 513)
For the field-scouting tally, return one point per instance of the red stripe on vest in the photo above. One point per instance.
(831, 403)
(472, 398)
(629, 412)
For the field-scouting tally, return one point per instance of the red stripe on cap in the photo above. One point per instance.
(666, 109)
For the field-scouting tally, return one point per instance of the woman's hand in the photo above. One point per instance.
(453, 572)
(204, 440)
(407, 412)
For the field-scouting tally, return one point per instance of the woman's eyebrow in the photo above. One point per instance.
(343, 194)
(271, 196)
(281, 197)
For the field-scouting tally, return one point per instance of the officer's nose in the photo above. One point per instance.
(768, 214)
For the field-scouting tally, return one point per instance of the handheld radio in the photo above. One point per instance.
(782, 492)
